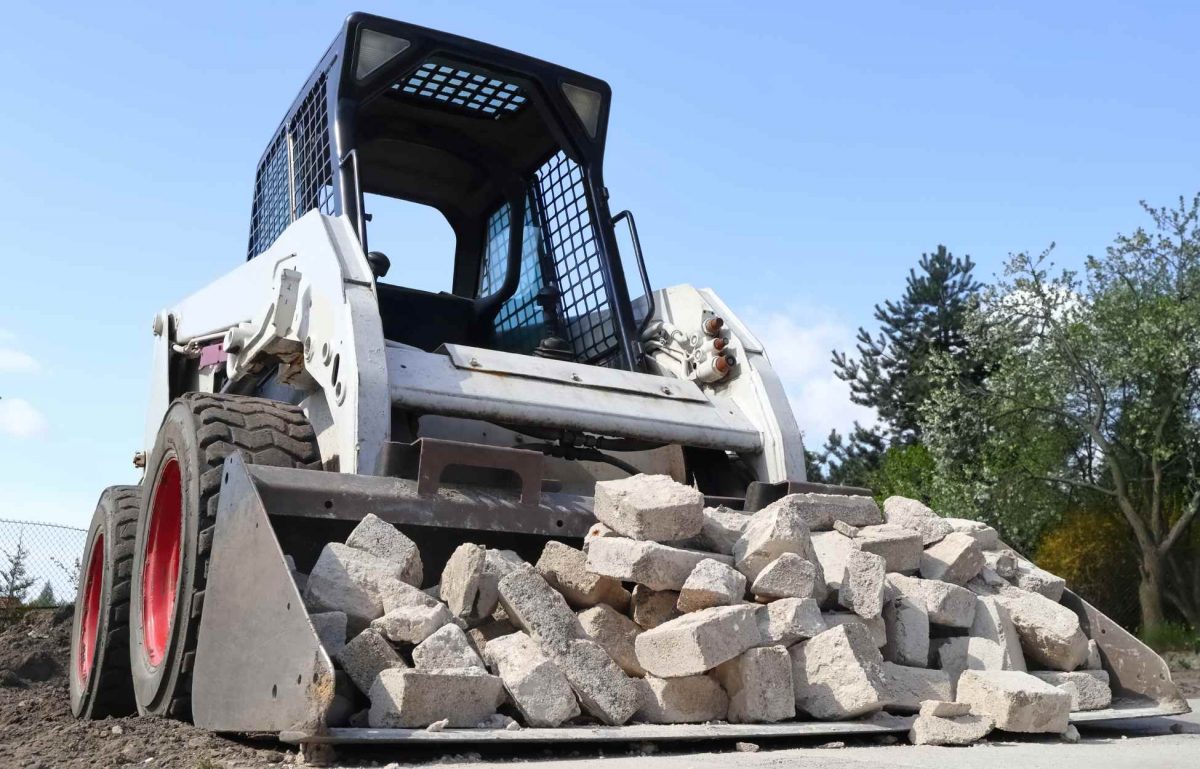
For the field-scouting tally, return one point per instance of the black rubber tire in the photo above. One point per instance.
(200, 430)
(108, 690)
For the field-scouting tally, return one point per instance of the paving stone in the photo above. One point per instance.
(416, 698)
(947, 604)
(603, 689)
(380, 538)
(908, 687)
(1094, 660)
(759, 685)
(650, 608)
(615, 633)
(1049, 632)
(697, 642)
(537, 687)
(483, 634)
(907, 627)
(838, 674)
(460, 579)
(788, 620)
(944, 709)
(331, 630)
(1089, 689)
(916, 516)
(862, 587)
(844, 528)
(496, 564)
(347, 580)
(447, 647)
(956, 559)
(1003, 562)
(987, 537)
(1036, 580)
(900, 547)
(831, 549)
(820, 511)
(649, 507)
(711, 583)
(597, 531)
(788, 576)
(394, 594)
(1016, 701)
(721, 528)
(875, 626)
(950, 656)
(993, 641)
(686, 700)
(539, 609)
(960, 730)
(412, 624)
(565, 568)
(657, 566)
(776, 529)
(365, 656)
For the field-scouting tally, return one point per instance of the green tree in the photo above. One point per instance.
(1095, 391)
(889, 374)
(15, 581)
(45, 598)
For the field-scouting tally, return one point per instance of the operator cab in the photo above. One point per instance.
(507, 148)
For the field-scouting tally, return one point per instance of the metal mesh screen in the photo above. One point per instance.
(296, 174)
(521, 322)
(462, 88)
(584, 302)
(39, 564)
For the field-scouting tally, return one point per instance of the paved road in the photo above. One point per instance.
(1161, 743)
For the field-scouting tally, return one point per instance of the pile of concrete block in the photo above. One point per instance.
(818, 606)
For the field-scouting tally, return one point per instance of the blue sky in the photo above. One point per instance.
(797, 157)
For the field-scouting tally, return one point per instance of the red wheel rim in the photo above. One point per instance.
(90, 625)
(160, 569)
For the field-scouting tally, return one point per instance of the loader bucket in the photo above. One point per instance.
(260, 668)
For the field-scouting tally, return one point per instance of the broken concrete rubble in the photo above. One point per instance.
(948, 605)
(987, 537)
(460, 579)
(604, 691)
(1050, 633)
(875, 626)
(330, 627)
(649, 507)
(365, 656)
(789, 620)
(862, 584)
(406, 698)
(496, 564)
(346, 579)
(650, 608)
(537, 687)
(657, 566)
(447, 647)
(993, 643)
(959, 730)
(1035, 580)
(899, 547)
(907, 626)
(911, 514)
(697, 642)
(776, 529)
(956, 559)
(838, 674)
(1015, 701)
(383, 540)
(565, 568)
(412, 624)
(1089, 689)
(615, 633)
(711, 583)
(788, 576)
(759, 685)
(721, 528)
(538, 609)
(908, 687)
(686, 700)
(831, 549)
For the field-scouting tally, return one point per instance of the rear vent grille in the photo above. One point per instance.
(462, 89)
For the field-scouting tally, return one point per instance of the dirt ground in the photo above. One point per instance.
(37, 730)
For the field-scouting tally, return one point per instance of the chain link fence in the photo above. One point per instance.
(39, 563)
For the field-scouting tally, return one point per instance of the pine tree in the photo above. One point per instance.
(888, 374)
(14, 579)
(45, 599)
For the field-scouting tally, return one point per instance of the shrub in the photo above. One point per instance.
(1091, 550)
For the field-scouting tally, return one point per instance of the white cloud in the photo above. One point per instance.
(800, 346)
(20, 419)
(13, 361)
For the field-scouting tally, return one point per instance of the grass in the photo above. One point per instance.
(1172, 637)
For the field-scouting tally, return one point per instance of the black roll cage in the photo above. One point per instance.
(343, 96)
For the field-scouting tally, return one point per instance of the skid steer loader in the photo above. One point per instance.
(309, 386)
